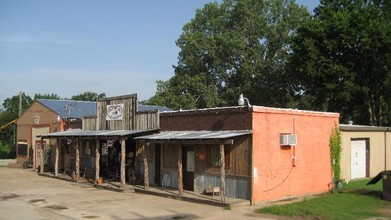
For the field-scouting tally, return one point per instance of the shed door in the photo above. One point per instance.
(358, 159)
(188, 168)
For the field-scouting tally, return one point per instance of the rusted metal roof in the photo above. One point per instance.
(97, 134)
(194, 135)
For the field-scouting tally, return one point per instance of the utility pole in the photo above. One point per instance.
(20, 103)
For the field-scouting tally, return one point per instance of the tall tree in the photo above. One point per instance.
(238, 46)
(342, 60)
(88, 96)
(11, 105)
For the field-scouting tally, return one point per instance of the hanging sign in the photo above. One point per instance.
(115, 112)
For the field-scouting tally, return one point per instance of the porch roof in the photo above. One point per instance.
(194, 135)
(78, 133)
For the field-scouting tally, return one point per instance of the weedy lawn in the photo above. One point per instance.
(355, 200)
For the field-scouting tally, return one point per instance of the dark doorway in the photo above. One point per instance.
(110, 159)
(157, 164)
(188, 167)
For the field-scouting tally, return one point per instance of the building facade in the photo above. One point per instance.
(253, 153)
(46, 116)
(366, 151)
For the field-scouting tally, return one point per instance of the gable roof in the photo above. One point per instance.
(70, 108)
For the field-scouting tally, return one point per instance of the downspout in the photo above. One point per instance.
(385, 148)
(253, 170)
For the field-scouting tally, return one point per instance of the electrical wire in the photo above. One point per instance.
(290, 171)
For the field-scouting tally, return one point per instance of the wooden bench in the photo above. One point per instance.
(212, 190)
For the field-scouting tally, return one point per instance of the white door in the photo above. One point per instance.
(358, 159)
(190, 161)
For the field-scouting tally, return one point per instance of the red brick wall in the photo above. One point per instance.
(217, 119)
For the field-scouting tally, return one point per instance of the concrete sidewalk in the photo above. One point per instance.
(5, 162)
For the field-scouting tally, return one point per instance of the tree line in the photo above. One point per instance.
(277, 53)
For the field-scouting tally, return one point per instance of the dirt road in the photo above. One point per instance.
(25, 195)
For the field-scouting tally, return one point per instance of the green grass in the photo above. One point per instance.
(354, 201)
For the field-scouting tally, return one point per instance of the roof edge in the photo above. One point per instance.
(347, 127)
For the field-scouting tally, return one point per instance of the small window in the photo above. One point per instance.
(216, 156)
(22, 148)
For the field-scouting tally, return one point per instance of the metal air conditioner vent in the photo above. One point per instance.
(288, 139)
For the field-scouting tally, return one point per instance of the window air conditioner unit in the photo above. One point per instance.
(288, 139)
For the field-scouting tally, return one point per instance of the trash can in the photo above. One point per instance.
(25, 164)
(386, 185)
(386, 177)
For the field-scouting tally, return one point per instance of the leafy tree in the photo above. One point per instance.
(11, 105)
(341, 60)
(8, 134)
(46, 96)
(238, 46)
(88, 96)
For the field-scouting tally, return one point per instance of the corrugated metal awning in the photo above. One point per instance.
(78, 133)
(194, 135)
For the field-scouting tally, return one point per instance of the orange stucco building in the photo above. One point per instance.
(283, 171)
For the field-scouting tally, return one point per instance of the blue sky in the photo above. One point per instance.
(69, 47)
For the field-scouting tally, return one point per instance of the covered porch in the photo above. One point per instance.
(199, 162)
(103, 142)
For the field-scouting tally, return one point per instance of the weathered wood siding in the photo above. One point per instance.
(129, 111)
(237, 157)
(89, 123)
(170, 159)
(238, 167)
(147, 120)
(139, 163)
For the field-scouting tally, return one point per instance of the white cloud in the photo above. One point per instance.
(15, 40)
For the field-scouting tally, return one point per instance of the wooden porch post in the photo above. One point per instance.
(146, 175)
(123, 154)
(56, 161)
(97, 160)
(77, 159)
(222, 170)
(42, 157)
(180, 170)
